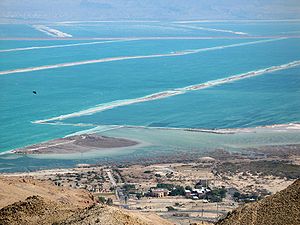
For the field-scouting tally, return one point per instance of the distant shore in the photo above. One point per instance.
(76, 144)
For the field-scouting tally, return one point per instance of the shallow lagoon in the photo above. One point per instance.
(156, 142)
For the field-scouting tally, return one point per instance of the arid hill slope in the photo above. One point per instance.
(282, 208)
(34, 210)
(27, 201)
(13, 189)
(103, 215)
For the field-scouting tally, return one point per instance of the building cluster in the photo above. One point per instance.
(101, 180)
(197, 193)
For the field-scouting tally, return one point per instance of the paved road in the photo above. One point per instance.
(111, 178)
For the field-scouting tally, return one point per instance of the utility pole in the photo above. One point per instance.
(202, 214)
(217, 210)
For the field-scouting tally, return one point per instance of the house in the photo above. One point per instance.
(159, 192)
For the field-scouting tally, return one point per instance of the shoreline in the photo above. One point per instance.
(278, 152)
(288, 153)
(293, 127)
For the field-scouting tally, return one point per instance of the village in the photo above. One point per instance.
(184, 192)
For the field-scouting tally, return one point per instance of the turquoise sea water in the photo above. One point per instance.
(256, 28)
(101, 49)
(133, 30)
(216, 107)
(272, 98)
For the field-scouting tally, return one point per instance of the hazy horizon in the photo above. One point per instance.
(45, 10)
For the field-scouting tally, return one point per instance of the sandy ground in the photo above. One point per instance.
(250, 183)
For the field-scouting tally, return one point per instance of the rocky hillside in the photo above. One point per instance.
(34, 210)
(103, 215)
(281, 208)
